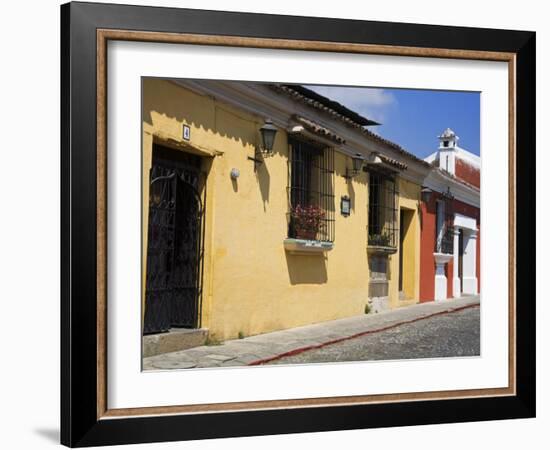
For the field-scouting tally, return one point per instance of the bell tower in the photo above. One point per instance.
(447, 150)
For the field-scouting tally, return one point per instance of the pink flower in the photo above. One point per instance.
(307, 218)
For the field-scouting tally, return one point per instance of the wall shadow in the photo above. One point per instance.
(306, 269)
(408, 215)
(264, 180)
(212, 116)
(351, 195)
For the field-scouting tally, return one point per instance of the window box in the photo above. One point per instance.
(381, 250)
(307, 246)
(442, 258)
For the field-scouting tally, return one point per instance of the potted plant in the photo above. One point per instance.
(307, 221)
(382, 239)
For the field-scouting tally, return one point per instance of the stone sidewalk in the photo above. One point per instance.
(267, 347)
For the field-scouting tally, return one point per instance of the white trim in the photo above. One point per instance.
(456, 279)
(469, 256)
(258, 99)
(463, 221)
(439, 182)
(300, 130)
(442, 258)
(440, 280)
(305, 246)
(431, 158)
(469, 276)
(468, 157)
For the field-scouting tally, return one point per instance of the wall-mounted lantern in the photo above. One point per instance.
(426, 194)
(448, 195)
(357, 163)
(267, 132)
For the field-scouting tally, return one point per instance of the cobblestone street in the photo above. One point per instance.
(452, 334)
(428, 330)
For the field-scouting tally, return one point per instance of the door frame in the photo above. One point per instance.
(188, 168)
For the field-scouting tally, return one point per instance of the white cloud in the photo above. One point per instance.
(372, 103)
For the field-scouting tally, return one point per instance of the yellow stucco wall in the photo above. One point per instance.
(251, 284)
(409, 200)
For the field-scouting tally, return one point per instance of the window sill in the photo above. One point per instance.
(381, 250)
(306, 246)
(442, 258)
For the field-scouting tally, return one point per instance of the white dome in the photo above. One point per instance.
(448, 133)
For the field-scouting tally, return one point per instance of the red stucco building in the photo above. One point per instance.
(450, 227)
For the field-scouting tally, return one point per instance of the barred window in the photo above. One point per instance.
(311, 192)
(444, 230)
(383, 194)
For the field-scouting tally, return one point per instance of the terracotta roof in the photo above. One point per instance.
(318, 101)
(395, 147)
(318, 129)
(349, 117)
(392, 162)
(454, 178)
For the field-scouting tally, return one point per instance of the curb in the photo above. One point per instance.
(356, 335)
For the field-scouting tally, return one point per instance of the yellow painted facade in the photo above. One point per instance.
(409, 203)
(251, 284)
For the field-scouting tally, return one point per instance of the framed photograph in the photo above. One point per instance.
(276, 224)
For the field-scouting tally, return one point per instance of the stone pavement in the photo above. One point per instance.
(268, 347)
(453, 335)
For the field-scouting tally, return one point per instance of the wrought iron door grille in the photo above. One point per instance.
(382, 221)
(311, 185)
(175, 243)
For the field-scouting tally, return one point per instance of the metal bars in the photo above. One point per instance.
(444, 224)
(175, 244)
(382, 227)
(311, 191)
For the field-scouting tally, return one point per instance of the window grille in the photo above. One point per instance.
(311, 189)
(444, 230)
(382, 228)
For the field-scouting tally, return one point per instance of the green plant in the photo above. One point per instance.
(382, 239)
(367, 308)
(241, 335)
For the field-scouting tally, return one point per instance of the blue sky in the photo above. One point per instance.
(413, 118)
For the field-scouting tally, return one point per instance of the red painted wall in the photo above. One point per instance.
(478, 256)
(466, 172)
(427, 244)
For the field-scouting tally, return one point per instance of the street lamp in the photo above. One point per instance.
(448, 195)
(268, 132)
(357, 163)
(426, 194)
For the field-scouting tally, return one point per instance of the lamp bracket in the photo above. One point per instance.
(258, 158)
